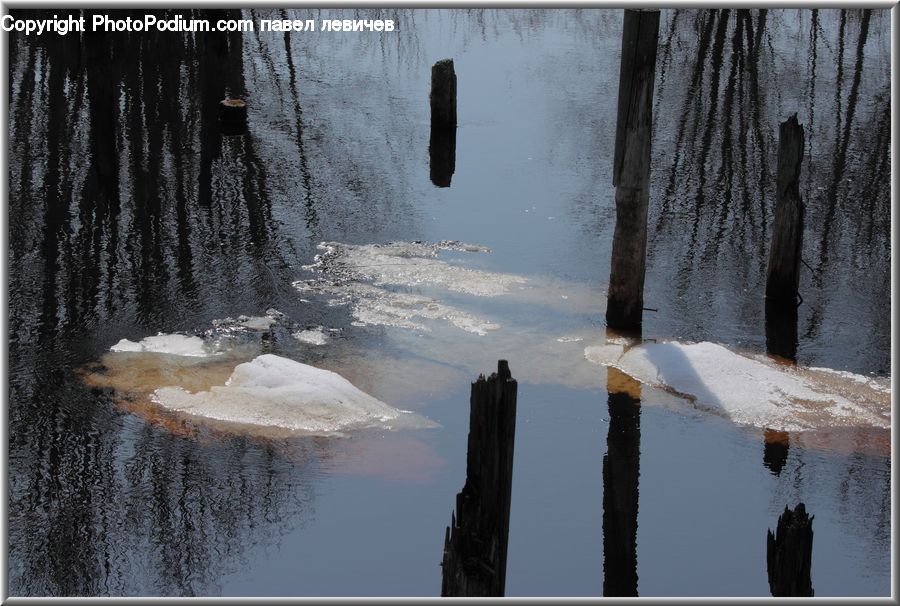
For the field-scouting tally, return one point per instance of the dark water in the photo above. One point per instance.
(129, 214)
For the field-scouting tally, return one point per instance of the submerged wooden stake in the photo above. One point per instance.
(475, 543)
(631, 169)
(789, 554)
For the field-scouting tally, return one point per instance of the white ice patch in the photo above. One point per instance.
(271, 391)
(405, 285)
(750, 391)
(173, 344)
(411, 264)
(312, 336)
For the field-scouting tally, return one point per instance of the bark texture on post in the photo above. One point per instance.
(783, 278)
(789, 554)
(631, 169)
(443, 94)
(621, 469)
(475, 543)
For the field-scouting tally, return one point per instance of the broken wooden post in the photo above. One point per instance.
(631, 169)
(783, 278)
(233, 117)
(442, 145)
(474, 562)
(443, 94)
(621, 468)
(789, 554)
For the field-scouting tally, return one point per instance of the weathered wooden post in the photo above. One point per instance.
(442, 145)
(789, 554)
(621, 469)
(783, 279)
(474, 562)
(443, 94)
(631, 169)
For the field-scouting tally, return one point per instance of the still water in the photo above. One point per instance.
(130, 215)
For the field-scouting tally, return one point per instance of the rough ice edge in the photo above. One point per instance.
(376, 306)
(410, 264)
(272, 391)
(770, 398)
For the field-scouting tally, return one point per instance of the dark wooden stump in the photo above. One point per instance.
(783, 277)
(443, 94)
(789, 554)
(621, 469)
(474, 562)
(631, 169)
(233, 117)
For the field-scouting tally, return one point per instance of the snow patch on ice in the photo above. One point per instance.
(272, 391)
(749, 390)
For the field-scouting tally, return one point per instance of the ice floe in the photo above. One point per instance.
(172, 344)
(272, 391)
(750, 390)
(312, 336)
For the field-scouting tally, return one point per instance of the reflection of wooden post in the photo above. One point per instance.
(776, 445)
(783, 279)
(631, 169)
(475, 543)
(233, 116)
(621, 468)
(442, 155)
(789, 554)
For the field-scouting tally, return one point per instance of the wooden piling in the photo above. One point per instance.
(783, 280)
(443, 94)
(783, 277)
(789, 554)
(631, 169)
(475, 543)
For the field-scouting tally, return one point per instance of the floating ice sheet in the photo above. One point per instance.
(173, 344)
(750, 390)
(359, 275)
(312, 336)
(410, 264)
(271, 391)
